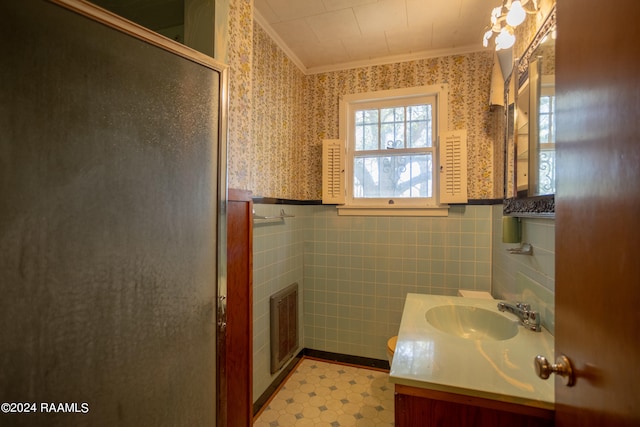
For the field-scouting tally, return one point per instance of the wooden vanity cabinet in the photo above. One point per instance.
(418, 407)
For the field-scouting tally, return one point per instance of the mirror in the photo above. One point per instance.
(530, 128)
(521, 139)
(542, 131)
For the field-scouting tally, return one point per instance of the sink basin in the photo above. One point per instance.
(472, 323)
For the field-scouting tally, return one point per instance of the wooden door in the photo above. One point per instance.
(598, 211)
(238, 340)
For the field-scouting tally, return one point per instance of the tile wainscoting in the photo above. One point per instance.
(354, 272)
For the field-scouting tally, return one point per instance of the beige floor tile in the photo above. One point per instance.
(286, 420)
(323, 394)
(322, 390)
(294, 408)
(317, 401)
(346, 420)
(328, 416)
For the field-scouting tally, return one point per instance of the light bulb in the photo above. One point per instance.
(505, 39)
(495, 15)
(487, 36)
(516, 14)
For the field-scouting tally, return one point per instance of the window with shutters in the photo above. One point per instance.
(389, 142)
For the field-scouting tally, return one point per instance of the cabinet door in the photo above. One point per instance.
(415, 407)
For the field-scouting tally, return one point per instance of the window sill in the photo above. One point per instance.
(344, 210)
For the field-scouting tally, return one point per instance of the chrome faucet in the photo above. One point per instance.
(529, 319)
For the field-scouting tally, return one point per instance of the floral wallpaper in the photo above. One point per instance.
(468, 77)
(240, 161)
(279, 116)
(278, 120)
(528, 29)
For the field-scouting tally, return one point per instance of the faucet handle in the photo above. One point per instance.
(523, 306)
(533, 321)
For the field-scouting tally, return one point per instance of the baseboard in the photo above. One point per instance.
(273, 387)
(348, 359)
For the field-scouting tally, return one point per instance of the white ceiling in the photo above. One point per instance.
(325, 35)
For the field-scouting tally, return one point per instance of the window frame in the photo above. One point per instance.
(401, 206)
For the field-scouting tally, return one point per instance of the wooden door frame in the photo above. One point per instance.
(236, 338)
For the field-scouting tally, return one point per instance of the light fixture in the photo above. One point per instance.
(505, 38)
(516, 14)
(505, 18)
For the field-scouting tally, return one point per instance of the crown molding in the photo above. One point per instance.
(260, 20)
(393, 59)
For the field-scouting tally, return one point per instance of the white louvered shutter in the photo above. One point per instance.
(333, 179)
(453, 167)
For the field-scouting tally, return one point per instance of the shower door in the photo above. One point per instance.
(110, 182)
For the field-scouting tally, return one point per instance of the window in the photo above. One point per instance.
(393, 149)
(390, 145)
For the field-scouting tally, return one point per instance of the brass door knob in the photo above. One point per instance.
(562, 367)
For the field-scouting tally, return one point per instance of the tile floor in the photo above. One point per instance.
(323, 394)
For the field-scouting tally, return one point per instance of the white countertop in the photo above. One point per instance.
(503, 370)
